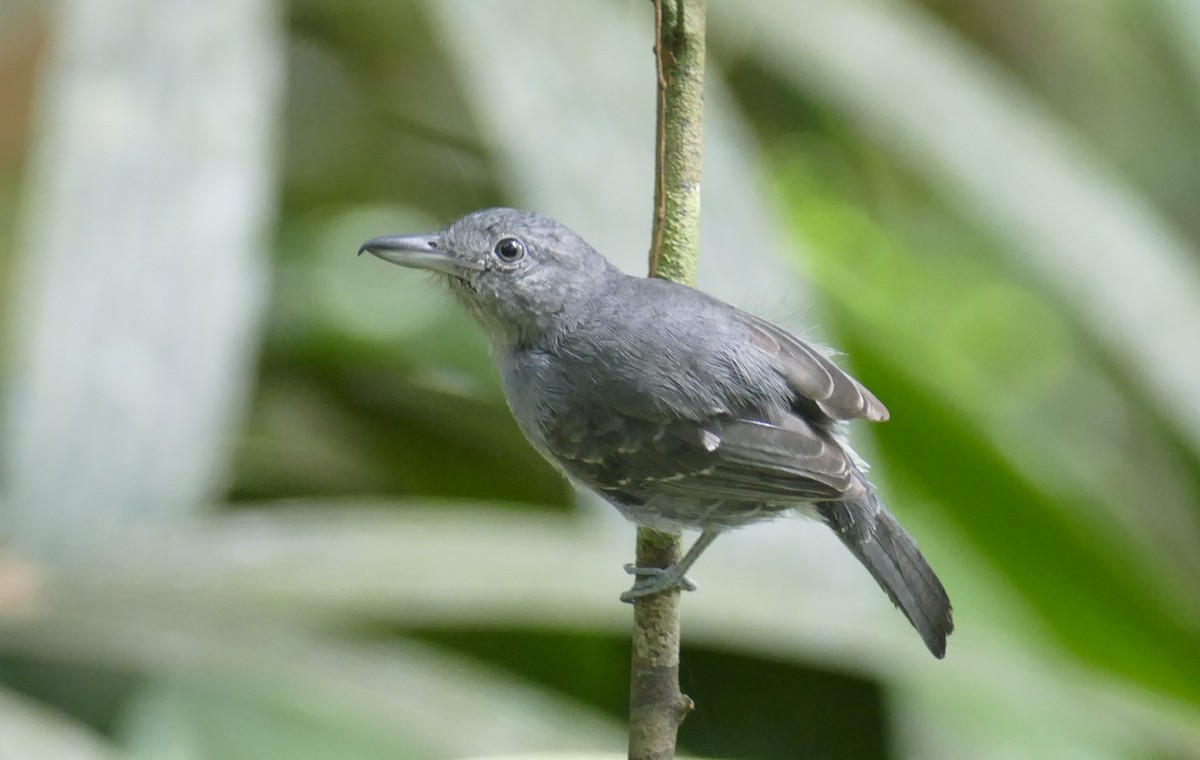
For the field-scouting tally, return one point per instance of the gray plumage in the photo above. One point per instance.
(679, 409)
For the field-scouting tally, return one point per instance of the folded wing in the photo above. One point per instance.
(728, 458)
(812, 375)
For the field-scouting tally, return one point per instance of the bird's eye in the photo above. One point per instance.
(509, 249)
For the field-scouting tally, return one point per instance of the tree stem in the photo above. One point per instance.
(656, 705)
(679, 54)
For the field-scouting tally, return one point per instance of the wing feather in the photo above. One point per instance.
(753, 461)
(812, 375)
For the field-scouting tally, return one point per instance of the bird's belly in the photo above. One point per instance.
(664, 513)
(632, 462)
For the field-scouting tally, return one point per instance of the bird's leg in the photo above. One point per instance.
(652, 580)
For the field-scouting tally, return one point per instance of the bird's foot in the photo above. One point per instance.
(655, 580)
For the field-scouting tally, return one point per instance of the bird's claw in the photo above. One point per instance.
(655, 580)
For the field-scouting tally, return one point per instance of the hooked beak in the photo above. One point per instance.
(417, 252)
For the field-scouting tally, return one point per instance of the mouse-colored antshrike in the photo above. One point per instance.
(680, 410)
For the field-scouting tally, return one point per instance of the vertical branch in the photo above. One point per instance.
(679, 54)
(656, 705)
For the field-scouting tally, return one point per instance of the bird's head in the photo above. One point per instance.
(524, 277)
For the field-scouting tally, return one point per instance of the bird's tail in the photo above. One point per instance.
(869, 530)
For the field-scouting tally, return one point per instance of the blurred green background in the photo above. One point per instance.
(261, 499)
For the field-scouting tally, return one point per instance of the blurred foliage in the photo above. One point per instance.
(470, 607)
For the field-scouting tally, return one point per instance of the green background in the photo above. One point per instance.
(991, 208)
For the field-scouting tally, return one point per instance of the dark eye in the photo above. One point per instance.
(509, 249)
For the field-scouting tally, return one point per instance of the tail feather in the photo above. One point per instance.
(892, 557)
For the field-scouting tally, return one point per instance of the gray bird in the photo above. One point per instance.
(678, 409)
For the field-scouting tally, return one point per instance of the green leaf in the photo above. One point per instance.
(33, 732)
